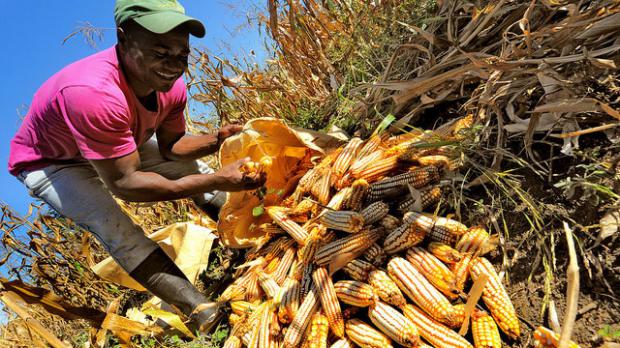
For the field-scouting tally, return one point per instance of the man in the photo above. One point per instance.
(88, 135)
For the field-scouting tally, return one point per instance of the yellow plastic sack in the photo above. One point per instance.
(187, 244)
(237, 226)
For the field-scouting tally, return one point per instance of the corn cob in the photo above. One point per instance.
(242, 307)
(295, 331)
(374, 212)
(458, 313)
(303, 207)
(376, 170)
(545, 338)
(434, 332)
(446, 230)
(273, 265)
(279, 275)
(248, 338)
(320, 331)
(416, 287)
(343, 343)
(484, 330)
(264, 340)
(329, 300)
(365, 336)
(292, 228)
(266, 229)
(394, 186)
(405, 149)
(375, 255)
(308, 181)
(275, 249)
(461, 271)
(289, 300)
(372, 144)
(363, 162)
(439, 161)
(232, 342)
(268, 284)
(339, 199)
(345, 158)
(359, 189)
(410, 233)
(233, 292)
(252, 337)
(434, 270)
(274, 327)
(312, 331)
(445, 253)
(253, 289)
(307, 252)
(473, 240)
(351, 246)
(347, 221)
(233, 318)
(495, 297)
(355, 293)
(305, 283)
(385, 288)
(390, 222)
(329, 159)
(393, 324)
(242, 327)
(322, 188)
(428, 197)
(345, 181)
(458, 128)
(359, 270)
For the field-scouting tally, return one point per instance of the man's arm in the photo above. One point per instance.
(123, 179)
(176, 146)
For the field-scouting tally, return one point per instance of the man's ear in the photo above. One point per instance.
(121, 36)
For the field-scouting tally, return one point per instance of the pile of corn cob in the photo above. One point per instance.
(354, 261)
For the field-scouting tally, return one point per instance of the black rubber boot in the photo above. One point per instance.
(161, 276)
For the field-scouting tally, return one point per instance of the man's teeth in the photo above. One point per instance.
(166, 76)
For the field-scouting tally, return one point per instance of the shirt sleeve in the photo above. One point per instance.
(175, 119)
(99, 121)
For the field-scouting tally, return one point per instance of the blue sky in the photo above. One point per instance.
(33, 51)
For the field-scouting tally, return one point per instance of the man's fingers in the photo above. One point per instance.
(243, 161)
(236, 128)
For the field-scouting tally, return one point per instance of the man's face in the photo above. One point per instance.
(154, 61)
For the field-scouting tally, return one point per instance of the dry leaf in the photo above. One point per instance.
(609, 226)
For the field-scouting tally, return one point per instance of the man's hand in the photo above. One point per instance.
(228, 131)
(231, 179)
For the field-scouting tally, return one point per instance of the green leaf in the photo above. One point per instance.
(385, 123)
(220, 335)
(78, 267)
(258, 211)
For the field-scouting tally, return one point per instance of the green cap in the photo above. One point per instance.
(156, 16)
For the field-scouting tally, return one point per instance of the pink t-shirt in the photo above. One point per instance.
(87, 111)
